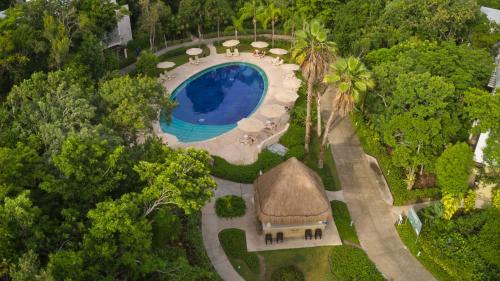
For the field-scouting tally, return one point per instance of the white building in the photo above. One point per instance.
(122, 34)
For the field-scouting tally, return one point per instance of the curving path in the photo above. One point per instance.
(370, 213)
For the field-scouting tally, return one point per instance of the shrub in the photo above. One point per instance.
(230, 206)
(233, 242)
(245, 173)
(146, 64)
(350, 263)
(370, 140)
(289, 273)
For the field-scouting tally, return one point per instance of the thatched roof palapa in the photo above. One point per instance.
(291, 193)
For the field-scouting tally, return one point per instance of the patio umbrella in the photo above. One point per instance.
(290, 67)
(278, 51)
(250, 125)
(286, 97)
(272, 110)
(194, 51)
(259, 44)
(165, 65)
(230, 43)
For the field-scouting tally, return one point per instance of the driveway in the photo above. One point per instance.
(370, 213)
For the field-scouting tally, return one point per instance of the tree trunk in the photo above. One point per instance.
(325, 140)
(310, 83)
(272, 38)
(318, 114)
(218, 30)
(199, 35)
(254, 29)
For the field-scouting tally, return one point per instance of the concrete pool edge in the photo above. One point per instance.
(205, 132)
(227, 145)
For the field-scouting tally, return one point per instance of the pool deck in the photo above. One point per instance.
(228, 145)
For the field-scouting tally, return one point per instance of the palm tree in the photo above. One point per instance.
(269, 13)
(249, 11)
(218, 10)
(313, 52)
(352, 79)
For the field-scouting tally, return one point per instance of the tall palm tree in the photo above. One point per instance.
(352, 79)
(269, 12)
(249, 11)
(313, 52)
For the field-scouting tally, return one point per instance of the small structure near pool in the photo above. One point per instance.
(291, 202)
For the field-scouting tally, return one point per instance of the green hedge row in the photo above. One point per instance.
(245, 173)
(351, 263)
(230, 206)
(394, 175)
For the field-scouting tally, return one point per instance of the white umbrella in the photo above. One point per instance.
(194, 51)
(278, 51)
(286, 97)
(259, 44)
(290, 67)
(231, 43)
(165, 65)
(250, 125)
(272, 110)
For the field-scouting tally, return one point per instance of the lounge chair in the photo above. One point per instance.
(236, 53)
(197, 59)
(192, 61)
(275, 61)
(228, 53)
(271, 125)
(262, 55)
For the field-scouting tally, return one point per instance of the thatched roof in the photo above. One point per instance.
(291, 193)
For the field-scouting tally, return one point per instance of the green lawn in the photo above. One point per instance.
(343, 222)
(179, 55)
(245, 46)
(315, 263)
(409, 238)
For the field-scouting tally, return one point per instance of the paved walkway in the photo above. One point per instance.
(370, 213)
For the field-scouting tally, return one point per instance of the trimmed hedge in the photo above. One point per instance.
(245, 173)
(234, 243)
(230, 206)
(342, 220)
(394, 175)
(351, 263)
(289, 273)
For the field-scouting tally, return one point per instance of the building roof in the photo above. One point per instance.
(492, 14)
(291, 193)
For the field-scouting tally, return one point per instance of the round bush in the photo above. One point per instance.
(230, 206)
(289, 273)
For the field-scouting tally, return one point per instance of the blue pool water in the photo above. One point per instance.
(211, 102)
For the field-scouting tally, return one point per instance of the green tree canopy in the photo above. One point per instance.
(453, 169)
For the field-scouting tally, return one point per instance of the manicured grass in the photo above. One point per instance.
(351, 263)
(315, 263)
(288, 273)
(245, 46)
(343, 222)
(234, 244)
(179, 56)
(409, 238)
(230, 206)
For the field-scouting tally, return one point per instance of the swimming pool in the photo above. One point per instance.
(212, 101)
